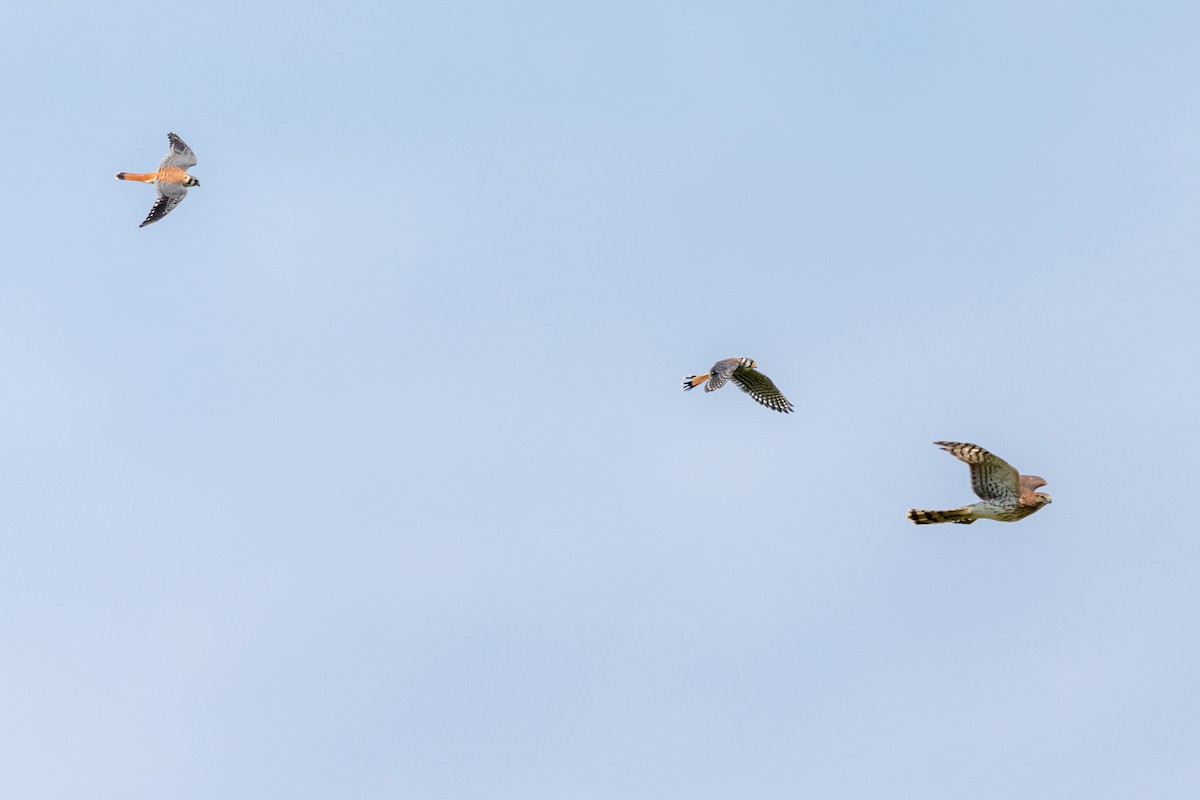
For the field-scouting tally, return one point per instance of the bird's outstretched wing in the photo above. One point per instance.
(761, 388)
(178, 155)
(169, 196)
(992, 478)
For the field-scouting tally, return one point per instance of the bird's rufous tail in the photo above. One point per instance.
(143, 177)
(692, 381)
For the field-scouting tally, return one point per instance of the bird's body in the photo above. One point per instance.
(171, 179)
(1005, 495)
(743, 372)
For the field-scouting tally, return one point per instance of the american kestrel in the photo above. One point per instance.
(1005, 495)
(744, 372)
(171, 180)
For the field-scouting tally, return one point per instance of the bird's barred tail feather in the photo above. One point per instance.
(692, 381)
(962, 516)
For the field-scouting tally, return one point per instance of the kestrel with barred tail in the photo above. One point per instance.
(171, 179)
(1004, 494)
(744, 372)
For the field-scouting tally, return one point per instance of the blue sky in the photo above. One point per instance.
(367, 472)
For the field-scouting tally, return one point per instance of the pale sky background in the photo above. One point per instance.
(367, 472)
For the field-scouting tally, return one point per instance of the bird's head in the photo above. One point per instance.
(190, 181)
(749, 363)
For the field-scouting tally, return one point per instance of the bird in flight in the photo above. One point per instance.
(743, 372)
(1004, 494)
(170, 179)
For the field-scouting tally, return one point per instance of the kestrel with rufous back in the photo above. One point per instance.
(743, 372)
(170, 179)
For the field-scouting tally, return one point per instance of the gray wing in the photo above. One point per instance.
(992, 478)
(169, 196)
(761, 388)
(178, 155)
(721, 372)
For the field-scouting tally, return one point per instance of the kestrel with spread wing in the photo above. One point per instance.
(1005, 495)
(744, 372)
(171, 179)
